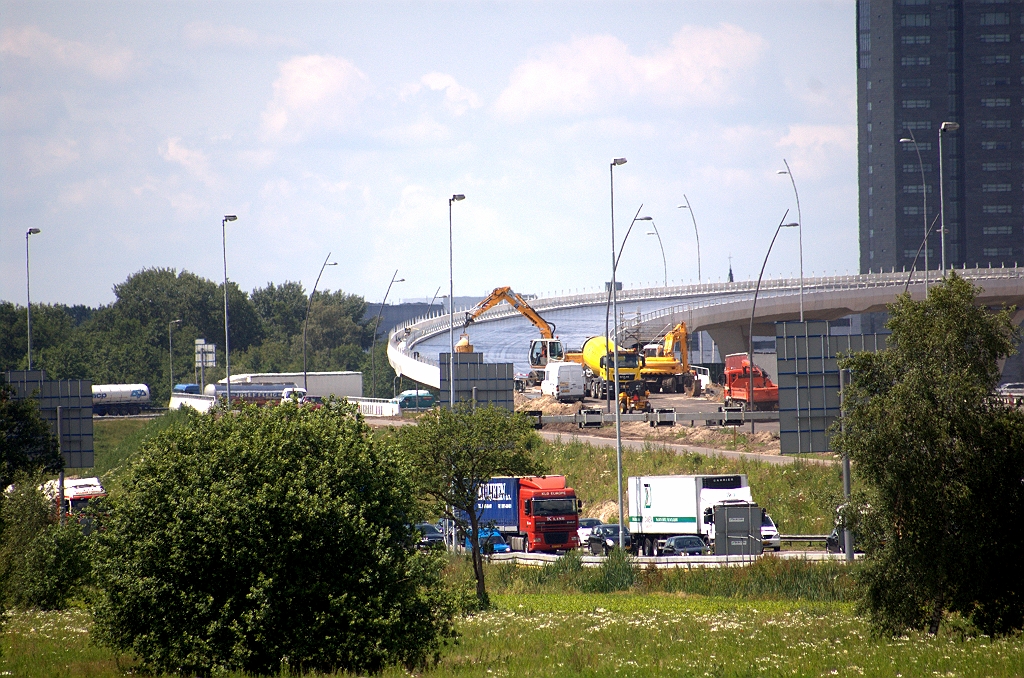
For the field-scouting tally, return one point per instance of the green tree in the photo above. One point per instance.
(455, 452)
(943, 461)
(277, 537)
(27, 445)
(281, 307)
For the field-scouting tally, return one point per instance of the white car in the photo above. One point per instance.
(769, 533)
(586, 525)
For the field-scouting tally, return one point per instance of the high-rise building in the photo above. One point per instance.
(922, 63)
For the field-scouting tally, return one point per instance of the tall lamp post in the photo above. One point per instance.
(690, 209)
(800, 229)
(615, 314)
(376, 326)
(664, 265)
(944, 127)
(608, 304)
(451, 303)
(924, 194)
(28, 294)
(227, 344)
(305, 322)
(170, 349)
(753, 307)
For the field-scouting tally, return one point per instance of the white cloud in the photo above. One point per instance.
(33, 44)
(194, 161)
(592, 72)
(314, 92)
(457, 98)
(819, 149)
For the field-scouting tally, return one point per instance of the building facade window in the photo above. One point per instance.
(915, 39)
(994, 19)
(916, 82)
(917, 125)
(992, 59)
(912, 211)
(996, 188)
(997, 209)
(995, 145)
(922, 20)
(915, 168)
(995, 103)
(998, 230)
(995, 37)
(996, 167)
(994, 124)
(916, 61)
(998, 251)
(915, 189)
(917, 103)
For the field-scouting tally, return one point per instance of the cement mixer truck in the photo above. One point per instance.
(599, 366)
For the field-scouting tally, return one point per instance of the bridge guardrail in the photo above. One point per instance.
(669, 562)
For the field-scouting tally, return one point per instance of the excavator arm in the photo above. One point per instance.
(678, 336)
(500, 294)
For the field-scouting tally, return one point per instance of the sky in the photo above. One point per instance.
(129, 129)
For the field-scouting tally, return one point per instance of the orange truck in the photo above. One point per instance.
(737, 384)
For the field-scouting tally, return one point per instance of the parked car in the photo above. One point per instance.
(604, 538)
(834, 542)
(491, 541)
(430, 537)
(586, 525)
(770, 533)
(685, 545)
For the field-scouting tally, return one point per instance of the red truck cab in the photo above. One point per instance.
(548, 514)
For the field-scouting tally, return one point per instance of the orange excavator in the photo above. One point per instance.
(547, 348)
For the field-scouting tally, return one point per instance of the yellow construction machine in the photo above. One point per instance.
(663, 371)
(547, 348)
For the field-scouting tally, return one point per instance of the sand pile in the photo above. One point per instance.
(605, 511)
(546, 404)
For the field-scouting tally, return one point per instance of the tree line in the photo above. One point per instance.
(128, 341)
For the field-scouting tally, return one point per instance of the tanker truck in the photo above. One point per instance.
(598, 365)
(120, 399)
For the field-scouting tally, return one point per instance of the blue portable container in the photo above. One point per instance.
(498, 501)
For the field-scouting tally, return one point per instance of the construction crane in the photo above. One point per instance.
(547, 348)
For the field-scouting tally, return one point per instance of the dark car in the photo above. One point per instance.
(834, 542)
(685, 546)
(430, 536)
(604, 538)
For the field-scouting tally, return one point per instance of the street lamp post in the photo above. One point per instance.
(309, 304)
(944, 127)
(451, 303)
(664, 264)
(608, 304)
(690, 209)
(376, 326)
(924, 194)
(615, 383)
(170, 350)
(753, 307)
(227, 344)
(800, 230)
(28, 294)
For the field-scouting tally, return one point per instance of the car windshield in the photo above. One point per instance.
(689, 542)
(613, 530)
(493, 539)
(589, 522)
(554, 507)
(766, 520)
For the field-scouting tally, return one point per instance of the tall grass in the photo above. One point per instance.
(801, 497)
(117, 440)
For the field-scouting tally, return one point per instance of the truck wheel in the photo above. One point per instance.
(134, 409)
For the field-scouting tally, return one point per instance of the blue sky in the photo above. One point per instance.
(127, 129)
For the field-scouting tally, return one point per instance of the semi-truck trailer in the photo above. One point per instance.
(661, 507)
(120, 399)
(598, 362)
(533, 513)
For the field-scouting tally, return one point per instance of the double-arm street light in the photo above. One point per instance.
(924, 198)
(800, 230)
(28, 294)
(227, 344)
(944, 127)
(690, 210)
(306, 320)
(376, 326)
(170, 349)
(451, 304)
(753, 307)
(664, 264)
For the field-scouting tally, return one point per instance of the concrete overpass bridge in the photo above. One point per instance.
(721, 309)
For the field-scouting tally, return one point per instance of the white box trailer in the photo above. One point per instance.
(322, 384)
(667, 506)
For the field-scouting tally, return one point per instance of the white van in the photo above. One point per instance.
(564, 381)
(704, 375)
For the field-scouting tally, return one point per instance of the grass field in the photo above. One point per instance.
(609, 635)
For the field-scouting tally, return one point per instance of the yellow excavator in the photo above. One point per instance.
(547, 348)
(663, 371)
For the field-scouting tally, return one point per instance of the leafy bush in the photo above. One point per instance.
(267, 538)
(616, 573)
(55, 568)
